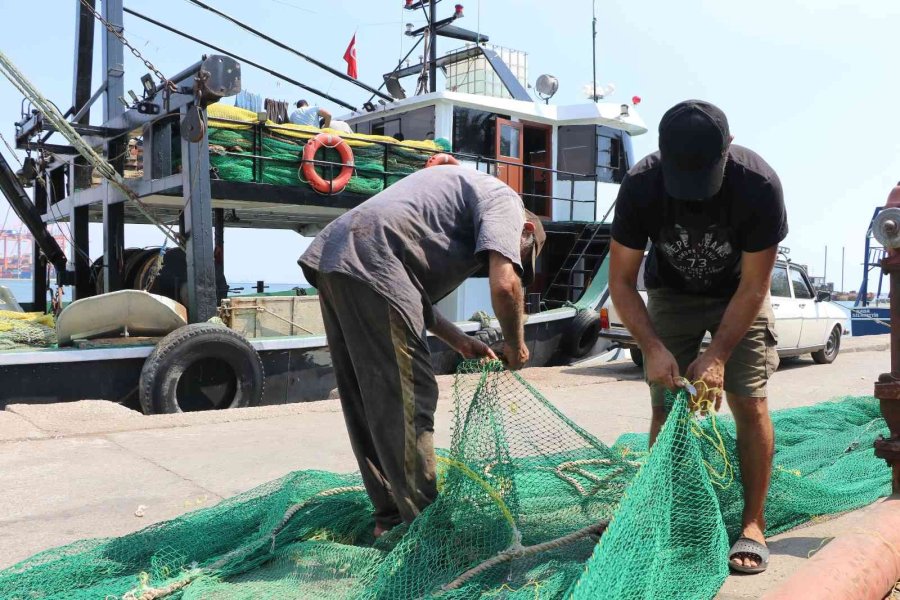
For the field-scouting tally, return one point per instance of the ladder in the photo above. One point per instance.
(579, 267)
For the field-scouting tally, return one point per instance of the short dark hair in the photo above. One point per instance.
(302, 103)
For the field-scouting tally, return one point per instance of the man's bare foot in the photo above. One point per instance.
(742, 559)
(380, 531)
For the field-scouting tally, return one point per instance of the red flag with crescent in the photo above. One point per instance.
(350, 57)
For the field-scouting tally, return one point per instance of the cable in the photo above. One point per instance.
(240, 59)
(11, 149)
(304, 9)
(284, 46)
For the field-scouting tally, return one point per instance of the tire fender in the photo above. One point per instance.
(581, 334)
(185, 347)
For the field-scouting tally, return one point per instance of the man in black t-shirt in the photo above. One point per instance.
(714, 215)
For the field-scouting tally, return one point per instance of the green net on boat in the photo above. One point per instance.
(243, 150)
(524, 496)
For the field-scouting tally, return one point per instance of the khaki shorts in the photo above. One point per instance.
(682, 320)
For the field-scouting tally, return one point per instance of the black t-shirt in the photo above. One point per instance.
(697, 245)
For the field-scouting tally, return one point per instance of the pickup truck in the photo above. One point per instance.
(806, 321)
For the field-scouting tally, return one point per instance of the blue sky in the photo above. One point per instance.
(809, 84)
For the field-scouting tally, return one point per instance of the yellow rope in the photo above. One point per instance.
(495, 496)
(702, 400)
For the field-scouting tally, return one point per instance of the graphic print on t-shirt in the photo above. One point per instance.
(700, 255)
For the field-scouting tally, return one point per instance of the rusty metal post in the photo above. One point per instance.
(886, 229)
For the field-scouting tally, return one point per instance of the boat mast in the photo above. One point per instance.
(432, 46)
(593, 47)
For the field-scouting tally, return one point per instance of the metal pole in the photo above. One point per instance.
(39, 262)
(201, 271)
(825, 270)
(432, 46)
(113, 62)
(113, 205)
(842, 269)
(594, 48)
(81, 85)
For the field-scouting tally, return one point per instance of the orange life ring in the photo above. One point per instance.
(316, 181)
(441, 159)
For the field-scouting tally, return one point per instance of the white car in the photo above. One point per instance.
(806, 322)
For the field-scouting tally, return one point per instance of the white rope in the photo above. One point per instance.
(53, 115)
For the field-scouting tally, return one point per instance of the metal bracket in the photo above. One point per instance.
(888, 449)
(887, 388)
(148, 108)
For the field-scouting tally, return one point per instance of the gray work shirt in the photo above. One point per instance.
(419, 239)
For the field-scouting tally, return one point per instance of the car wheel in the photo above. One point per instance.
(826, 355)
(637, 357)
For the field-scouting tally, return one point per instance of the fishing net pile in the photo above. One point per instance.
(242, 149)
(524, 496)
(19, 330)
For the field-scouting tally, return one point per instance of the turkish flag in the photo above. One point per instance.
(350, 57)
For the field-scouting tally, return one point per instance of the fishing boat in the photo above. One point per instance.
(224, 165)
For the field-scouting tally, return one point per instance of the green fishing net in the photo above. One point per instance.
(524, 497)
(233, 151)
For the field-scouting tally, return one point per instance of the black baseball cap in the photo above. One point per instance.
(693, 149)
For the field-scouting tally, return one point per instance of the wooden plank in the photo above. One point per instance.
(115, 342)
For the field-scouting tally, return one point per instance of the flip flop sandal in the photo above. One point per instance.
(755, 550)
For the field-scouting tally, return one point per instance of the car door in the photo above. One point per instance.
(788, 318)
(812, 332)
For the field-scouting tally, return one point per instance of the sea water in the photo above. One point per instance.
(21, 288)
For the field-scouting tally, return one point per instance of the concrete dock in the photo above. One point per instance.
(83, 469)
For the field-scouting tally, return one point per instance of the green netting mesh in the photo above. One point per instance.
(524, 493)
(281, 162)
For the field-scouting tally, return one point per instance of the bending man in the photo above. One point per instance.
(379, 269)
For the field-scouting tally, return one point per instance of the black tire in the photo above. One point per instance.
(637, 357)
(201, 367)
(581, 334)
(826, 355)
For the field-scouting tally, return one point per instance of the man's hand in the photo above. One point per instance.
(515, 357)
(472, 348)
(710, 369)
(662, 368)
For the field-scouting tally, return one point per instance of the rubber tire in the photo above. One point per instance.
(581, 334)
(637, 357)
(184, 347)
(823, 357)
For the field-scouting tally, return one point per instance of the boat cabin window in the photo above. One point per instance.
(474, 131)
(575, 153)
(592, 151)
(388, 128)
(416, 124)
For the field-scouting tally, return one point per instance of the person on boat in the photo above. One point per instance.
(379, 270)
(310, 115)
(714, 215)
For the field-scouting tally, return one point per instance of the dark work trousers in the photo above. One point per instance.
(388, 395)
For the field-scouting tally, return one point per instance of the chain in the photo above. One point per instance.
(117, 31)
